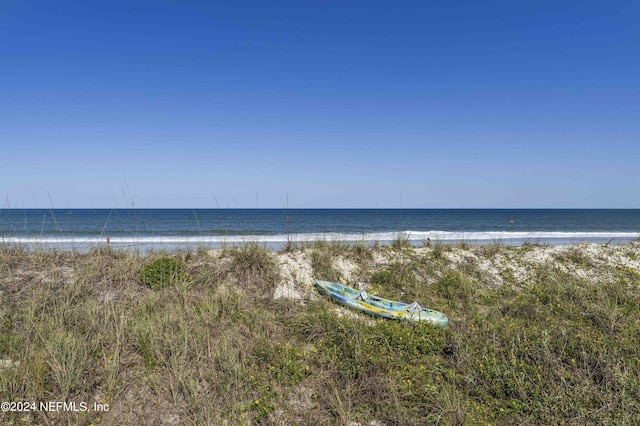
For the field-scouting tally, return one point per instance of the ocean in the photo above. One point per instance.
(171, 229)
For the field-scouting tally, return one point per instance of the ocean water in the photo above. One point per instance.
(170, 229)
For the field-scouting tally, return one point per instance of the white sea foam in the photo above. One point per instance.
(276, 241)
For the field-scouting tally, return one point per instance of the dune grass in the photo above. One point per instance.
(217, 349)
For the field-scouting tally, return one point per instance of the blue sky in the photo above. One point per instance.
(319, 103)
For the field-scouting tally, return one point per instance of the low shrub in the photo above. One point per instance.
(163, 272)
(255, 268)
(456, 286)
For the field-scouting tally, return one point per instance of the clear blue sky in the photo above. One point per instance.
(319, 103)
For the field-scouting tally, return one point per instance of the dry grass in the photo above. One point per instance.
(555, 348)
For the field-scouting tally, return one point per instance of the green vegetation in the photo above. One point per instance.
(401, 240)
(254, 269)
(322, 256)
(555, 347)
(438, 250)
(163, 272)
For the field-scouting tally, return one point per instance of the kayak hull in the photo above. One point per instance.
(378, 306)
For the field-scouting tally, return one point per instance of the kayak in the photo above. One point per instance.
(380, 307)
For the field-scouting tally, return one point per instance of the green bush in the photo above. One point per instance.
(383, 277)
(163, 272)
(398, 277)
(456, 285)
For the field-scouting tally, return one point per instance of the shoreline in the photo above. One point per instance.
(149, 244)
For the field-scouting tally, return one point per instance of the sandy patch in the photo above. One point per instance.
(345, 267)
(297, 276)
(380, 259)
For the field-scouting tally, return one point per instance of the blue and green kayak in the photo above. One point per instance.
(380, 307)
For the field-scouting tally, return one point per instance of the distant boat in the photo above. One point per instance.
(380, 307)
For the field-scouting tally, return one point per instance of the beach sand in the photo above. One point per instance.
(496, 265)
